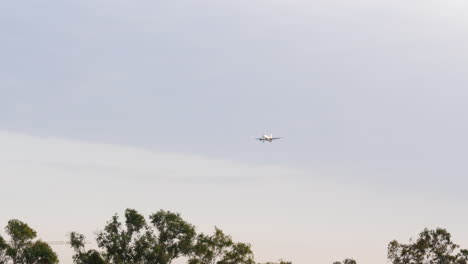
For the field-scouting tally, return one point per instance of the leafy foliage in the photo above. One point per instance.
(22, 248)
(220, 249)
(175, 236)
(208, 249)
(280, 262)
(3, 251)
(39, 253)
(124, 244)
(240, 253)
(346, 261)
(432, 247)
(166, 237)
(77, 242)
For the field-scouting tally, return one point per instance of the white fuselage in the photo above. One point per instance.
(268, 138)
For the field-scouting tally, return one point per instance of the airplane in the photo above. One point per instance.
(268, 138)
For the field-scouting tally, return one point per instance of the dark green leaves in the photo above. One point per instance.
(346, 261)
(432, 247)
(22, 248)
(165, 238)
(286, 262)
(19, 232)
(209, 249)
(77, 242)
(220, 249)
(3, 251)
(175, 236)
(40, 253)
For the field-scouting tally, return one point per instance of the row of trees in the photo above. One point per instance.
(165, 236)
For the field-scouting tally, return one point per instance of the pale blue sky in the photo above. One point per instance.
(370, 95)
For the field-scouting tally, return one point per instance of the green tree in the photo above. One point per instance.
(462, 257)
(83, 256)
(166, 237)
(346, 261)
(280, 262)
(209, 249)
(240, 253)
(124, 243)
(22, 248)
(432, 247)
(175, 236)
(40, 253)
(3, 251)
(220, 249)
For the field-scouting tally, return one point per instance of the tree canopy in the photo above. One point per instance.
(220, 249)
(280, 262)
(165, 236)
(432, 247)
(22, 248)
(346, 261)
(82, 256)
(161, 240)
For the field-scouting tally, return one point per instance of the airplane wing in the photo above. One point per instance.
(276, 138)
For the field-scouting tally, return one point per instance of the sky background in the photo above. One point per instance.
(151, 105)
